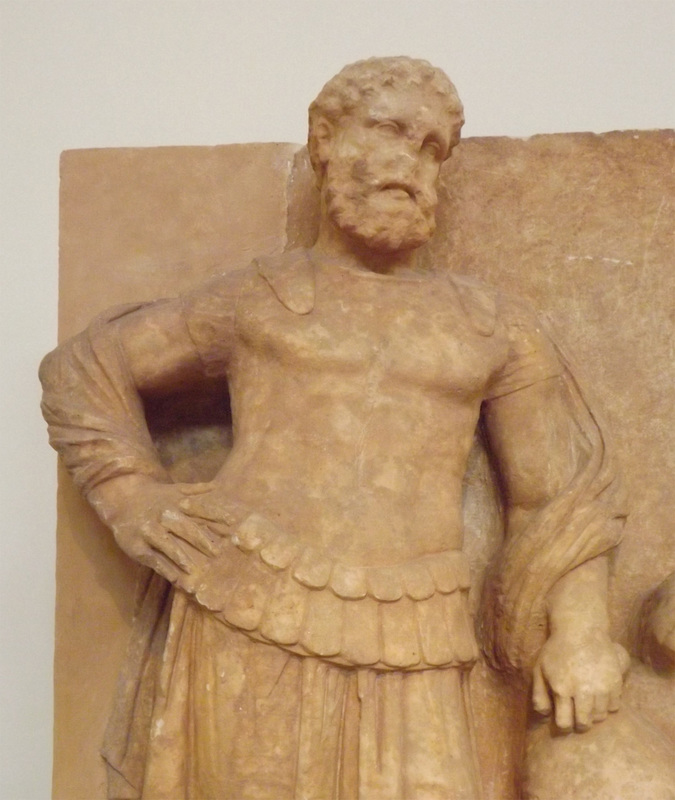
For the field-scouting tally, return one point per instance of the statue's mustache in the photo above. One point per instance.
(353, 188)
(410, 189)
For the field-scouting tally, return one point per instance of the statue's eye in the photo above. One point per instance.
(433, 148)
(389, 126)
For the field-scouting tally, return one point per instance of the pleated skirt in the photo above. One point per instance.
(234, 719)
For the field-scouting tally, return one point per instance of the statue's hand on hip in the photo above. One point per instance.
(578, 676)
(150, 523)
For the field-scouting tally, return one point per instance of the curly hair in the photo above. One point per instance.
(363, 79)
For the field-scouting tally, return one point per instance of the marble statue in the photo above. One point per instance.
(309, 604)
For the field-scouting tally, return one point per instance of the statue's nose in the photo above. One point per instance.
(402, 161)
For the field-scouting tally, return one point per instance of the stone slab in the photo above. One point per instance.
(582, 225)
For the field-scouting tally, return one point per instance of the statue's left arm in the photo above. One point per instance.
(562, 521)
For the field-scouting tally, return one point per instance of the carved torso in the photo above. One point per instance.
(353, 422)
(355, 399)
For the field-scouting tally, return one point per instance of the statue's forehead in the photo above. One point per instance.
(410, 103)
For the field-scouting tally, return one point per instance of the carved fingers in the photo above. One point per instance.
(186, 529)
(154, 530)
(579, 680)
(541, 700)
(211, 508)
(163, 546)
(149, 543)
(577, 710)
(614, 693)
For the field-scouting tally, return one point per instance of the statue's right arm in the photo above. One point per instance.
(158, 350)
(143, 511)
(93, 386)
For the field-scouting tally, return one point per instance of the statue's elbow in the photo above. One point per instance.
(47, 368)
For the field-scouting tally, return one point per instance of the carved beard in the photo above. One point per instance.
(381, 218)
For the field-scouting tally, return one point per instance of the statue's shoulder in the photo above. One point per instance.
(478, 300)
(528, 339)
(291, 277)
(517, 316)
(494, 308)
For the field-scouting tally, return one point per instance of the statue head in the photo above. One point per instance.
(379, 132)
(360, 82)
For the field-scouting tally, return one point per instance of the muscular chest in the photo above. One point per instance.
(402, 332)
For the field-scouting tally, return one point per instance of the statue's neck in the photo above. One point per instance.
(333, 244)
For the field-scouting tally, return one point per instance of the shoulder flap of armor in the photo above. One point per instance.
(291, 278)
(478, 302)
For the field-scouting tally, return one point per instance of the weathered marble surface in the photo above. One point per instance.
(580, 225)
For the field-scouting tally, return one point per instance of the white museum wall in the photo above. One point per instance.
(107, 73)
